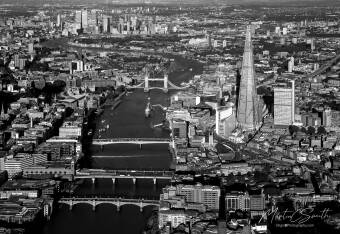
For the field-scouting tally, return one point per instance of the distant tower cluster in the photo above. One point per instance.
(247, 112)
(86, 20)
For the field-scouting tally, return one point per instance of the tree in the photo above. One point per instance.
(293, 129)
(303, 129)
(311, 130)
(58, 86)
(322, 130)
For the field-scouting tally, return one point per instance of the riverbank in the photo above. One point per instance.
(126, 120)
(152, 224)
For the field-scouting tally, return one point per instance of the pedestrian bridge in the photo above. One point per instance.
(118, 202)
(138, 141)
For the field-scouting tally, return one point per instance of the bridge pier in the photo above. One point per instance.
(134, 180)
(113, 181)
(141, 206)
(102, 148)
(165, 87)
(94, 205)
(118, 205)
(93, 180)
(154, 181)
(70, 207)
(140, 146)
(146, 83)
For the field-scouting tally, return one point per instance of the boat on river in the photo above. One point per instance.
(148, 109)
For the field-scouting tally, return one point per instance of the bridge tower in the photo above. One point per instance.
(146, 82)
(165, 87)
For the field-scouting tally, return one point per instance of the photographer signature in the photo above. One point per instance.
(299, 216)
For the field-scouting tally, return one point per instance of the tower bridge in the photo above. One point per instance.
(167, 84)
(94, 174)
(118, 202)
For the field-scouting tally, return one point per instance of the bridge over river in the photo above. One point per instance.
(123, 174)
(118, 202)
(138, 141)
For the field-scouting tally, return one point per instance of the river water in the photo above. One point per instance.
(127, 120)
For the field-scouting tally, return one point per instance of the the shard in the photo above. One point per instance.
(247, 115)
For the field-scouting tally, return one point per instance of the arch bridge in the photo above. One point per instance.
(118, 202)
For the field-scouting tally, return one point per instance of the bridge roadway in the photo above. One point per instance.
(319, 71)
(123, 174)
(139, 141)
(118, 202)
(324, 67)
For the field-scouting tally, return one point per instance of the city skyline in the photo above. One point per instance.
(169, 117)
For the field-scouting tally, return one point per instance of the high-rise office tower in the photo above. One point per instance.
(291, 65)
(225, 120)
(327, 117)
(278, 30)
(84, 19)
(92, 18)
(30, 48)
(78, 17)
(106, 24)
(284, 104)
(247, 109)
(58, 20)
(224, 44)
(312, 44)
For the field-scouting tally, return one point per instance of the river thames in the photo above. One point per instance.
(127, 120)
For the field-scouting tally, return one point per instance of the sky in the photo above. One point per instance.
(173, 1)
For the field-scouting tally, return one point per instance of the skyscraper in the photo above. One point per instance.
(84, 19)
(284, 104)
(106, 24)
(247, 112)
(58, 20)
(78, 18)
(30, 48)
(225, 120)
(291, 65)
